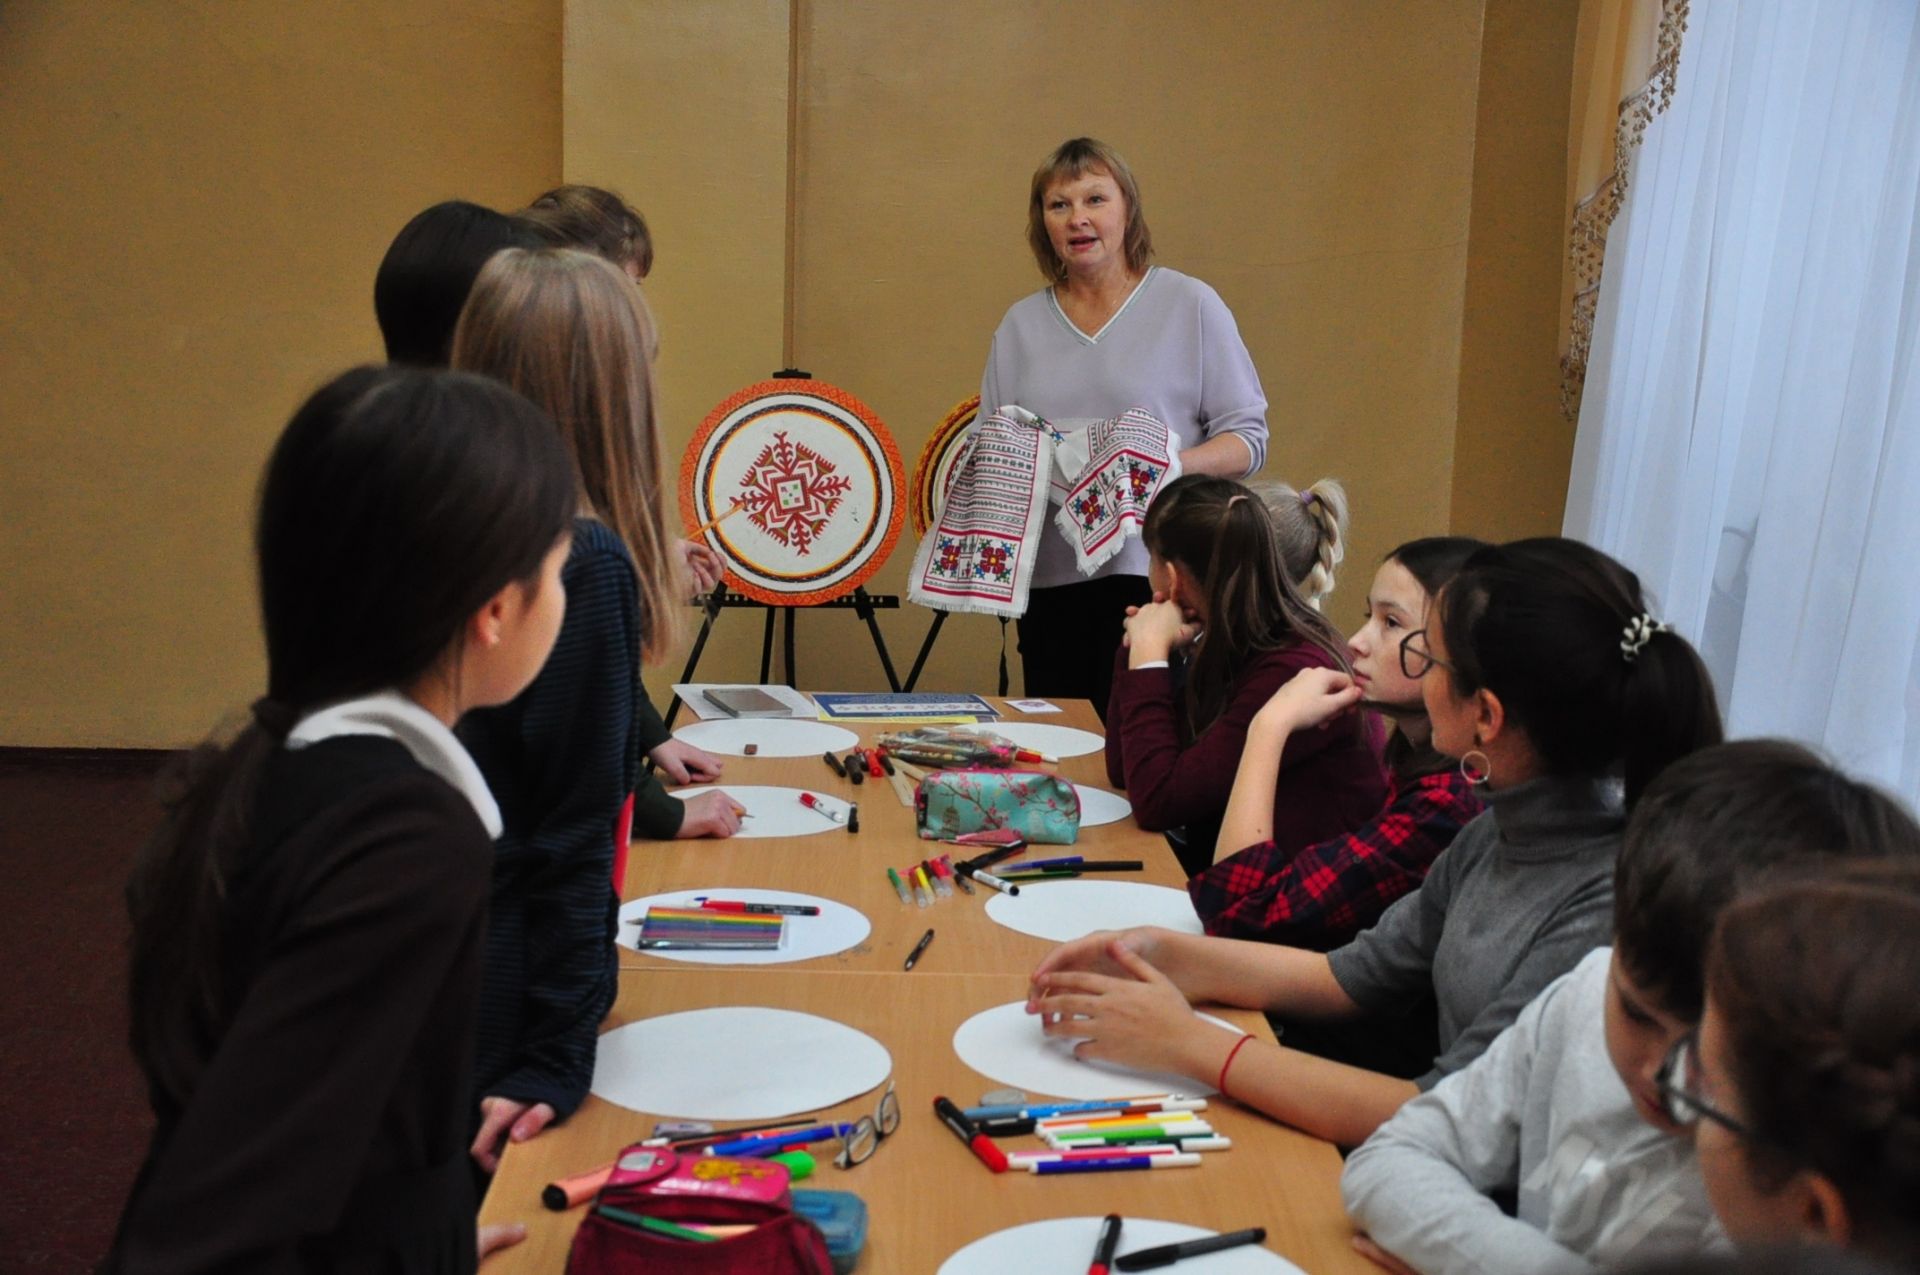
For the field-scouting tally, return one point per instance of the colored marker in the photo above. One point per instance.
(819, 807)
(759, 909)
(1167, 1254)
(833, 764)
(987, 878)
(899, 886)
(856, 772)
(978, 1143)
(1065, 861)
(853, 817)
(1122, 1124)
(1042, 1111)
(873, 765)
(1099, 1146)
(921, 893)
(913, 957)
(655, 1224)
(570, 1193)
(940, 886)
(954, 876)
(1103, 1248)
(778, 1141)
(1117, 1164)
(1027, 1159)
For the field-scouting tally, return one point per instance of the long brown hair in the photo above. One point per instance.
(1221, 535)
(1075, 158)
(568, 330)
(1815, 982)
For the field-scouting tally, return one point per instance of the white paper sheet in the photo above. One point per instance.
(1044, 737)
(1006, 1044)
(837, 928)
(741, 1062)
(776, 737)
(1033, 705)
(1098, 806)
(776, 812)
(689, 692)
(1066, 1244)
(1065, 910)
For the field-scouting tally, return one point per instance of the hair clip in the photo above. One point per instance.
(1639, 631)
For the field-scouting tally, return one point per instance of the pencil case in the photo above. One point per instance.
(1042, 807)
(646, 1218)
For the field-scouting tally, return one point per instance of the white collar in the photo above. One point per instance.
(392, 715)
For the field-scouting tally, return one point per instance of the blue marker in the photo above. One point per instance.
(799, 1137)
(1158, 1102)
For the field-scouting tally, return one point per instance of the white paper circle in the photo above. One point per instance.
(1098, 806)
(776, 812)
(743, 1062)
(1054, 741)
(775, 736)
(1067, 910)
(1006, 1044)
(1065, 1243)
(837, 928)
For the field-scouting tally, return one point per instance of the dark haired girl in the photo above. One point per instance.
(307, 923)
(1804, 1080)
(1229, 623)
(1324, 895)
(1547, 679)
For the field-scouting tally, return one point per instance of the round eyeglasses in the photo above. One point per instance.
(863, 1137)
(1678, 1080)
(1416, 657)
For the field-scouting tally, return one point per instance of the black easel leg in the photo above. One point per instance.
(863, 607)
(712, 609)
(766, 650)
(926, 649)
(787, 646)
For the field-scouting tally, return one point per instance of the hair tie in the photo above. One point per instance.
(273, 717)
(1308, 497)
(1639, 631)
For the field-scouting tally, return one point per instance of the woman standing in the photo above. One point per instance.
(1111, 331)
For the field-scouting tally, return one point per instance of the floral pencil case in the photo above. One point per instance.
(1042, 807)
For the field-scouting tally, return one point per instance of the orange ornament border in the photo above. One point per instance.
(920, 494)
(840, 398)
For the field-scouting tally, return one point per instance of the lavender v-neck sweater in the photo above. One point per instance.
(1172, 349)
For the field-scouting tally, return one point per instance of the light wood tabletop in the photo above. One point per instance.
(926, 1195)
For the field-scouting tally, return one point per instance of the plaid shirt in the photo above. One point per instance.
(1325, 894)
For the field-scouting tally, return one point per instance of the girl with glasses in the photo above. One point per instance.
(1323, 895)
(1543, 674)
(1804, 1081)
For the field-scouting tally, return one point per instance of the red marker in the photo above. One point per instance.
(873, 765)
(819, 807)
(977, 1142)
(1109, 1241)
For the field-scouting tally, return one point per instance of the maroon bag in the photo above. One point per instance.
(780, 1243)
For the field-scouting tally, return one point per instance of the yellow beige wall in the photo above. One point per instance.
(199, 194)
(196, 197)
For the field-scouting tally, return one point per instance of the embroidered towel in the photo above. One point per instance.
(978, 555)
(1127, 460)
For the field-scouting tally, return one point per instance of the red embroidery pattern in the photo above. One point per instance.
(791, 492)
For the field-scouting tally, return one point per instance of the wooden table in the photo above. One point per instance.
(926, 1195)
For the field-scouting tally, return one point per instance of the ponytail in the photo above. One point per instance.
(1221, 535)
(1310, 532)
(1561, 634)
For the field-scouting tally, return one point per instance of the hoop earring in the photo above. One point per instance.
(1474, 772)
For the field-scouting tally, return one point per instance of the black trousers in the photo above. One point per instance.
(1069, 634)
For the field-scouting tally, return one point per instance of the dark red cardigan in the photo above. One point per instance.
(1331, 777)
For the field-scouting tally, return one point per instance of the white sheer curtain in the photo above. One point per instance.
(1750, 438)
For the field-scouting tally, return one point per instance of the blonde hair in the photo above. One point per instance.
(1072, 159)
(568, 330)
(1310, 530)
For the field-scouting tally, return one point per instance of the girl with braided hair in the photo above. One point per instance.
(1803, 1082)
(1309, 530)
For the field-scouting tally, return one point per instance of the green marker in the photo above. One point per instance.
(899, 886)
(654, 1224)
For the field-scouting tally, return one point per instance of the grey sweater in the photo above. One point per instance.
(1543, 1112)
(1520, 896)
(1173, 349)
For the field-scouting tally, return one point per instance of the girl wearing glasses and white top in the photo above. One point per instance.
(1805, 1074)
(1546, 678)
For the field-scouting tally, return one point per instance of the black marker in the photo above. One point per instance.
(918, 948)
(1167, 1254)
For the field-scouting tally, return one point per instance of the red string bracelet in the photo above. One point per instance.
(1221, 1084)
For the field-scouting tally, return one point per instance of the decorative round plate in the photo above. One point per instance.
(933, 472)
(819, 478)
